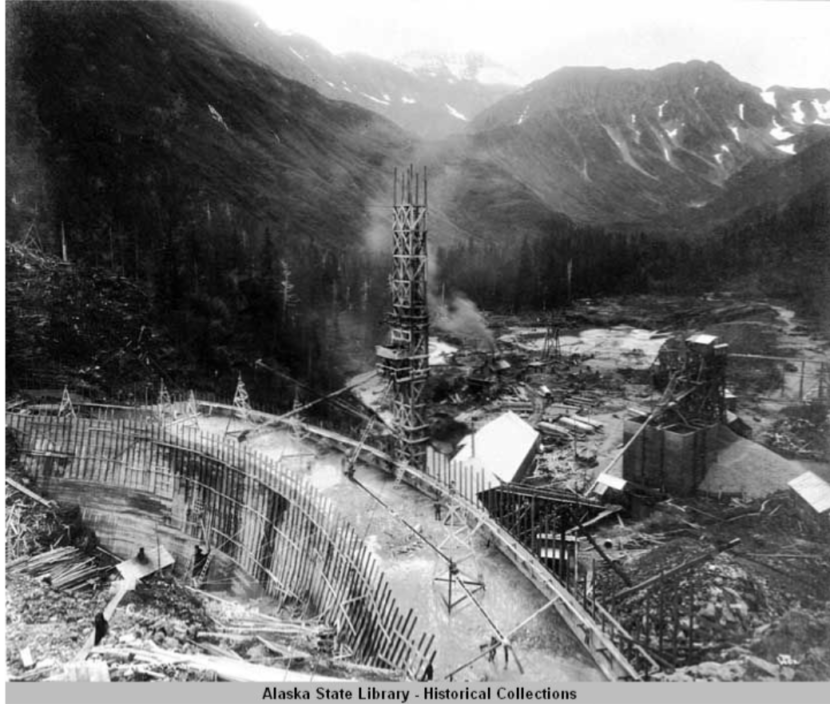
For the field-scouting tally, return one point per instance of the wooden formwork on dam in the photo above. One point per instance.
(603, 638)
(139, 484)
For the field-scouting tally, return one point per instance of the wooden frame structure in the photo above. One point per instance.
(141, 484)
(405, 361)
(604, 639)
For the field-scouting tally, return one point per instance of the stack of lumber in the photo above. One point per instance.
(66, 568)
(236, 622)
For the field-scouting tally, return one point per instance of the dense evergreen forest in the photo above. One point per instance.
(784, 254)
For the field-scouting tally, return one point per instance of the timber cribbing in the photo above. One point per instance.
(140, 484)
(602, 636)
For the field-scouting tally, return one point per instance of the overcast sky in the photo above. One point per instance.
(763, 43)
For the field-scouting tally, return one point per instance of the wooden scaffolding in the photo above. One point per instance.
(405, 361)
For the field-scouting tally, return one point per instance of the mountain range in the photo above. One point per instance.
(427, 94)
(617, 148)
(635, 147)
(239, 171)
(649, 150)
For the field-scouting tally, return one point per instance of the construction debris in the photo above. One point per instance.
(695, 579)
(62, 568)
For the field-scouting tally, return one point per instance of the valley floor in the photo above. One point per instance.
(764, 607)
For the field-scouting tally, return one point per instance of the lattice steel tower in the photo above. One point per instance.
(405, 362)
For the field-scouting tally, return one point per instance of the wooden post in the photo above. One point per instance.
(662, 614)
(801, 382)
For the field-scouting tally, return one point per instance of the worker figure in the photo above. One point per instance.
(101, 628)
(436, 506)
(494, 642)
(142, 558)
(199, 559)
(348, 463)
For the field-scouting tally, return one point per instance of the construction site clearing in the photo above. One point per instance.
(722, 577)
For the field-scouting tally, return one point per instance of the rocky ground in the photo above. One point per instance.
(768, 596)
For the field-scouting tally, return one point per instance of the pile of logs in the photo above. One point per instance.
(569, 426)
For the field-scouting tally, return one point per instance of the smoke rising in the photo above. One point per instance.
(377, 237)
(459, 315)
(462, 317)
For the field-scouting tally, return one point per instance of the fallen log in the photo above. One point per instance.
(551, 429)
(593, 423)
(570, 422)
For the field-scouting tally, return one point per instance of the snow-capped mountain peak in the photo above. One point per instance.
(469, 66)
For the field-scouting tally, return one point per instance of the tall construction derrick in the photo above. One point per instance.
(405, 361)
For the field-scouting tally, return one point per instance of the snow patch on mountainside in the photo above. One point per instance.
(768, 96)
(374, 99)
(734, 130)
(470, 66)
(297, 53)
(660, 108)
(741, 111)
(786, 148)
(523, 115)
(778, 132)
(409, 101)
(798, 113)
(214, 113)
(823, 109)
(665, 145)
(637, 132)
(452, 111)
(617, 138)
(724, 150)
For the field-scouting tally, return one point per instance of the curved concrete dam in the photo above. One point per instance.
(370, 554)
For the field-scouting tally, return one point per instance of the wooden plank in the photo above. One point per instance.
(366, 625)
(28, 492)
(380, 629)
(399, 645)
